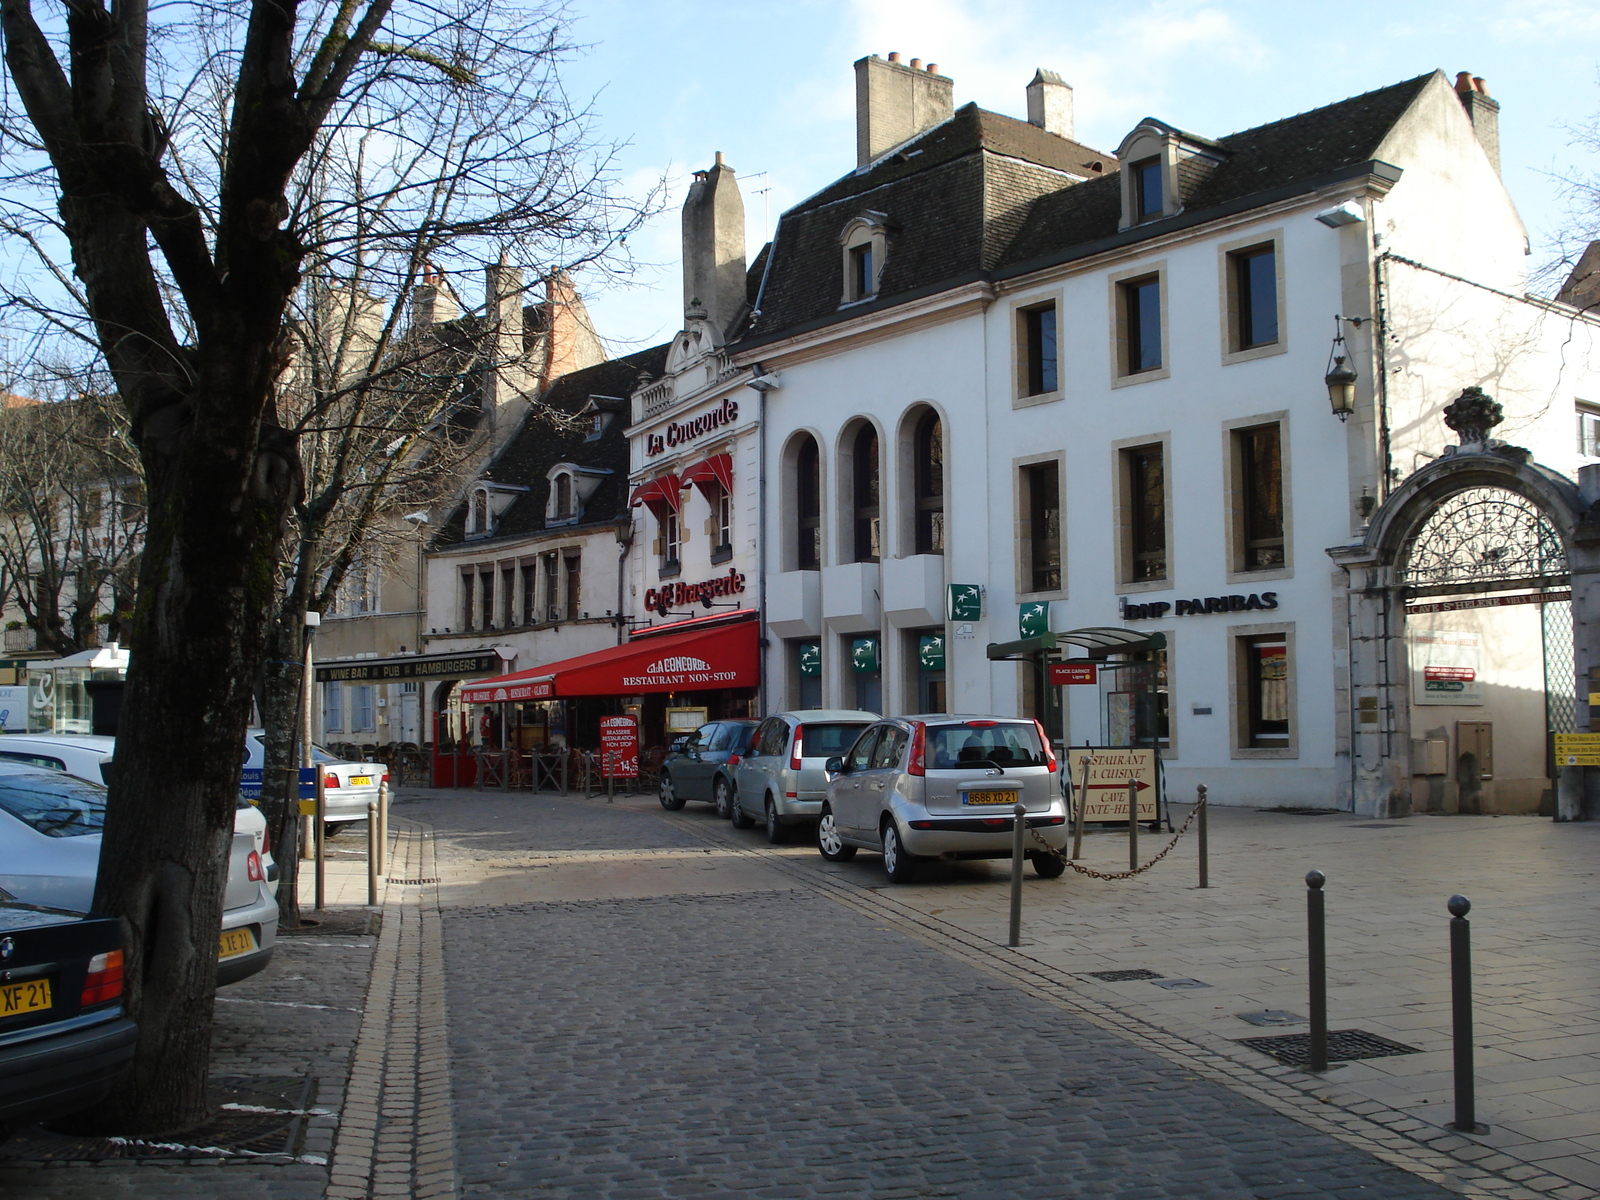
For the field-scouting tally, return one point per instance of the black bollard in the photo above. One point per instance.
(1200, 830)
(1317, 954)
(1461, 1014)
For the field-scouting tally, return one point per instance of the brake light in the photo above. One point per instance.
(794, 751)
(734, 760)
(915, 765)
(385, 778)
(984, 724)
(252, 868)
(1049, 750)
(330, 780)
(104, 980)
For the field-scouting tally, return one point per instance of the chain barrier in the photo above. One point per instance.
(1140, 870)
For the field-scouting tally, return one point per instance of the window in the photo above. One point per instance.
(1137, 701)
(361, 709)
(563, 505)
(573, 566)
(508, 597)
(721, 524)
(861, 753)
(808, 506)
(1147, 190)
(486, 598)
(865, 496)
(1264, 692)
(891, 743)
(530, 593)
(1255, 297)
(1041, 488)
(1144, 481)
(1039, 350)
(928, 484)
(864, 240)
(1259, 459)
(671, 540)
(1141, 324)
(91, 508)
(333, 708)
(478, 518)
(469, 579)
(862, 281)
(1589, 429)
(552, 587)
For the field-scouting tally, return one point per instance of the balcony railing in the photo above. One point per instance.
(18, 640)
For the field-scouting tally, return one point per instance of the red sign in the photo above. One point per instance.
(670, 595)
(1071, 672)
(1463, 674)
(619, 746)
(679, 432)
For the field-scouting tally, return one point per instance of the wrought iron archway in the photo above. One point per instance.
(1483, 539)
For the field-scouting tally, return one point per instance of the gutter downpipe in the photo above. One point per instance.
(761, 558)
(622, 577)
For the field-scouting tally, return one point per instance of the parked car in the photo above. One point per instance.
(943, 786)
(348, 787)
(781, 778)
(699, 766)
(67, 867)
(64, 1039)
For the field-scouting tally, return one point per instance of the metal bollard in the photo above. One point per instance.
(383, 829)
(320, 829)
(1317, 954)
(1078, 816)
(1461, 1014)
(1018, 824)
(372, 854)
(1133, 825)
(1200, 833)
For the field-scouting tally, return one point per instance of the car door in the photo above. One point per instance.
(882, 769)
(844, 793)
(692, 774)
(753, 775)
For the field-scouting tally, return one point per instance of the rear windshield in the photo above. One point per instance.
(55, 805)
(826, 741)
(1006, 744)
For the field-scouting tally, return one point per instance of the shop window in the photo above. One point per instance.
(928, 483)
(1145, 506)
(1258, 492)
(1263, 695)
(1037, 350)
(866, 524)
(1041, 504)
(808, 506)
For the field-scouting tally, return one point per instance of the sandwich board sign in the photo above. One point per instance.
(1105, 794)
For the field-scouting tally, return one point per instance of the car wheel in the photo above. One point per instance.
(1048, 866)
(830, 843)
(898, 865)
(722, 797)
(331, 828)
(736, 814)
(668, 794)
(777, 831)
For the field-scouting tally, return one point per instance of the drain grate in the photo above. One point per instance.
(1272, 1016)
(1179, 985)
(1122, 976)
(412, 882)
(1294, 1049)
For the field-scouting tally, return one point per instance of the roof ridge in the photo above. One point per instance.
(1391, 87)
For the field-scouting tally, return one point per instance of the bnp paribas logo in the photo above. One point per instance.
(964, 602)
(676, 666)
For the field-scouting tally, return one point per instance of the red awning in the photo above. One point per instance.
(719, 655)
(718, 469)
(663, 492)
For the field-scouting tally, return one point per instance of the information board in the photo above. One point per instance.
(1110, 768)
(619, 747)
(1066, 673)
(1577, 749)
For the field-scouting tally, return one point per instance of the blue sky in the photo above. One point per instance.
(771, 86)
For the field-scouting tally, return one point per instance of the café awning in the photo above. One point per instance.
(716, 470)
(663, 492)
(714, 652)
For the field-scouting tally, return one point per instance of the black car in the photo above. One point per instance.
(700, 765)
(64, 1039)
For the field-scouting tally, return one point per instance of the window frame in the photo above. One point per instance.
(858, 517)
(1229, 258)
(1027, 321)
(1241, 638)
(1121, 451)
(926, 511)
(804, 522)
(1236, 498)
(866, 233)
(1140, 172)
(1585, 409)
(1121, 299)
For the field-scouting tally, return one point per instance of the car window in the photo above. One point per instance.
(861, 753)
(714, 737)
(762, 739)
(825, 740)
(1004, 743)
(887, 752)
(740, 737)
(42, 761)
(56, 806)
(777, 737)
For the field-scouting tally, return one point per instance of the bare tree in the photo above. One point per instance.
(197, 162)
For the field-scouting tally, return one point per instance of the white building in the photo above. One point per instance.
(1095, 383)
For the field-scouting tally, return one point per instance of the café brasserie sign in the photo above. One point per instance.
(663, 599)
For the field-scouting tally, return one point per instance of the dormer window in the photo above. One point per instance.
(866, 241)
(563, 499)
(1147, 189)
(570, 489)
(486, 504)
(478, 517)
(1164, 165)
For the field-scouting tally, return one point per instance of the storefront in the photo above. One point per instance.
(81, 693)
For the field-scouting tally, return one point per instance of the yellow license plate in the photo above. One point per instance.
(32, 996)
(361, 781)
(236, 942)
(991, 797)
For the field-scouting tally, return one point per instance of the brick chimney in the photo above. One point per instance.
(570, 342)
(432, 302)
(505, 379)
(1050, 103)
(895, 102)
(713, 245)
(1483, 112)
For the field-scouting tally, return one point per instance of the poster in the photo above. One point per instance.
(619, 746)
(1110, 768)
(1446, 667)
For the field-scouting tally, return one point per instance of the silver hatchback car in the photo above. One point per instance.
(942, 786)
(782, 778)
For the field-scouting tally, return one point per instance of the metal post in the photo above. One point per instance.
(1133, 825)
(1317, 954)
(1461, 1014)
(383, 829)
(321, 837)
(372, 854)
(1018, 824)
(611, 777)
(1200, 832)
(1083, 804)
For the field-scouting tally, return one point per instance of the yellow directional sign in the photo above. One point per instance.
(1577, 749)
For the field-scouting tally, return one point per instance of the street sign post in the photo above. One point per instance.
(1577, 749)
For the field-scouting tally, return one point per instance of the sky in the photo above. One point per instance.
(772, 87)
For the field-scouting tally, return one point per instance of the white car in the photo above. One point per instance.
(348, 787)
(44, 867)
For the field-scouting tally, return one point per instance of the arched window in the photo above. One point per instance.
(928, 483)
(563, 497)
(865, 497)
(808, 507)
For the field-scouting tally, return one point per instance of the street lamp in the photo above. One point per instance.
(1340, 377)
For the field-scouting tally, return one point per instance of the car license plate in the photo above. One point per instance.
(30, 996)
(991, 797)
(236, 942)
(361, 781)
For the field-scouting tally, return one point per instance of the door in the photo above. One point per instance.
(882, 774)
(691, 774)
(410, 727)
(849, 805)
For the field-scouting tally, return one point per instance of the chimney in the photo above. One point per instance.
(502, 308)
(1483, 112)
(505, 377)
(1050, 103)
(571, 343)
(713, 245)
(895, 102)
(431, 300)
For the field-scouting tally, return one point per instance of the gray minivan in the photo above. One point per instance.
(781, 779)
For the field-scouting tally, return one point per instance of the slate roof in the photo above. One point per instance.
(985, 196)
(537, 447)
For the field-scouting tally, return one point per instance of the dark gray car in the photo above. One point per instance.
(700, 766)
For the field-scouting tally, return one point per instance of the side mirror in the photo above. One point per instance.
(834, 766)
